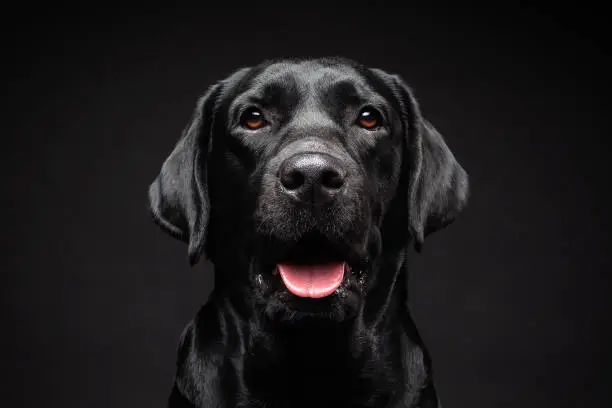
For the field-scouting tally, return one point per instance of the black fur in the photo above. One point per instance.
(255, 344)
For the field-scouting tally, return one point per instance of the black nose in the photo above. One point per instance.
(312, 177)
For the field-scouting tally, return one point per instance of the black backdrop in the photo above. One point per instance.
(513, 299)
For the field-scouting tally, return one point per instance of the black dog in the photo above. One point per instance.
(306, 183)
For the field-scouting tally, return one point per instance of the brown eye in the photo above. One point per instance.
(369, 118)
(252, 119)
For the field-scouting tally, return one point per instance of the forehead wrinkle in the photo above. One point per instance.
(311, 113)
(262, 89)
(347, 86)
(311, 108)
(322, 85)
(277, 88)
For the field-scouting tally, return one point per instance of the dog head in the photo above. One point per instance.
(294, 177)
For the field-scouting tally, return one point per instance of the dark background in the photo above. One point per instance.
(513, 299)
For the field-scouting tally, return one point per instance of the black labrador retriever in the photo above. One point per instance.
(306, 183)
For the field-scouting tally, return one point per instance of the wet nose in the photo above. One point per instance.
(312, 177)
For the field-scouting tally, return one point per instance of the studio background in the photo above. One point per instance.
(512, 300)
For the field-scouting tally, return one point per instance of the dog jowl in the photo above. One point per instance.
(305, 183)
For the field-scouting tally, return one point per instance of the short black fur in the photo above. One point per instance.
(254, 343)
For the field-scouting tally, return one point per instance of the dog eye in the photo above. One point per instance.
(369, 118)
(252, 119)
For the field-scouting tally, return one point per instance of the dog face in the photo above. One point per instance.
(295, 177)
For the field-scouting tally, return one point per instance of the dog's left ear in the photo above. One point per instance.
(178, 198)
(438, 185)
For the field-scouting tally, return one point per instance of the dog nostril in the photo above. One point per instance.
(292, 179)
(332, 179)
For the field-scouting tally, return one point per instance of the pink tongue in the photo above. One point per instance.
(315, 281)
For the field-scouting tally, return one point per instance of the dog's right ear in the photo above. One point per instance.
(178, 198)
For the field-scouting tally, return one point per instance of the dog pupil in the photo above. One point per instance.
(368, 117)
(252, 118)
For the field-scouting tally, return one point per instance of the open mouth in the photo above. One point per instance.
(313, 280)
(315, 267)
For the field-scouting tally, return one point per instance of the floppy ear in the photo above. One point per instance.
(178, 198)
(438, 185)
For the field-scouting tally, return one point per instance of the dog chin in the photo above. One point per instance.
(280, 304)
